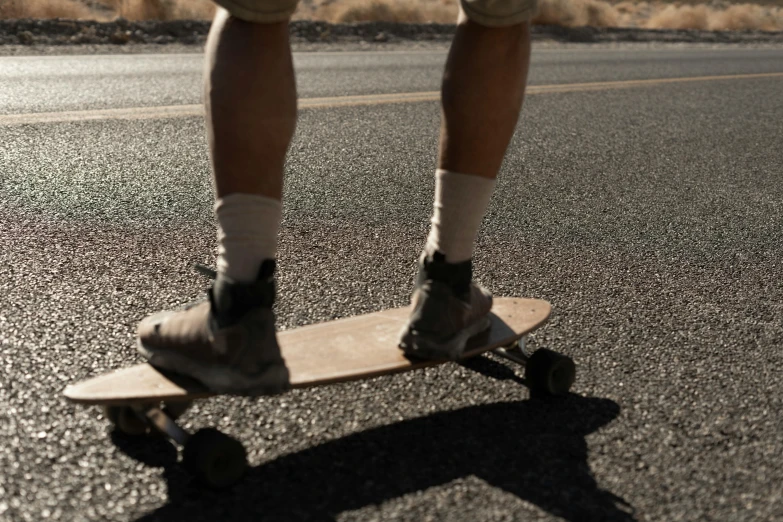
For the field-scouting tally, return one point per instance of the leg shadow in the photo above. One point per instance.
(488, 367)
(154, 451)
(533, 449)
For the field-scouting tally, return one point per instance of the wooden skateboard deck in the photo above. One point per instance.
(337, 351)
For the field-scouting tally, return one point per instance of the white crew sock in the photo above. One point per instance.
(460, 203)
(247, 234)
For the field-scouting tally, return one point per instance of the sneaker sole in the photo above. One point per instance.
(273, 380)
(452, 350)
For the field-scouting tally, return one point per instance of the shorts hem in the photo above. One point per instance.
(488, 20)
(251, 15)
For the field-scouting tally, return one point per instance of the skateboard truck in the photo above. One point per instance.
(163, 423)
(517, 352)
(212, 456)
(546, 372)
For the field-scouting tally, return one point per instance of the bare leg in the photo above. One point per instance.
(250, 96)
(483, 88)
(251, 116)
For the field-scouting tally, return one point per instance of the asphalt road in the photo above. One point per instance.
(651, 217)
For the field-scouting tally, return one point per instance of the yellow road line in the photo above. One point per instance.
(368, 99)
(182, 111)
(131, 113)
(626, 84)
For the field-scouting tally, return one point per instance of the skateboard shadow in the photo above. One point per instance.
(533, 449)
(154, 451)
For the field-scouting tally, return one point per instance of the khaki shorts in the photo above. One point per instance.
(492, 13)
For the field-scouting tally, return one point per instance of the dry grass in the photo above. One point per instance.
(161, 9)
(682, 14)
(577, 13)
(735, 17)
(108, 9)
(660, 15)
(44, 9)
(411, 11)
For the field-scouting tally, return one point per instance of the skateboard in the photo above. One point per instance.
(142, 400)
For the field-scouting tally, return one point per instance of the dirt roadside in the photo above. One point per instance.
(20, 37)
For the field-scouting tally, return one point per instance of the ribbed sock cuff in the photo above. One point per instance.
(248, 225)
(460, 203)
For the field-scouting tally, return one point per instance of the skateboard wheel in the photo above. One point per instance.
(550, 372)
(125, 420)
(215, 458)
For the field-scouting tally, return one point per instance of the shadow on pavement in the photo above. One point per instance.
(534, 449)
(154, 451)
